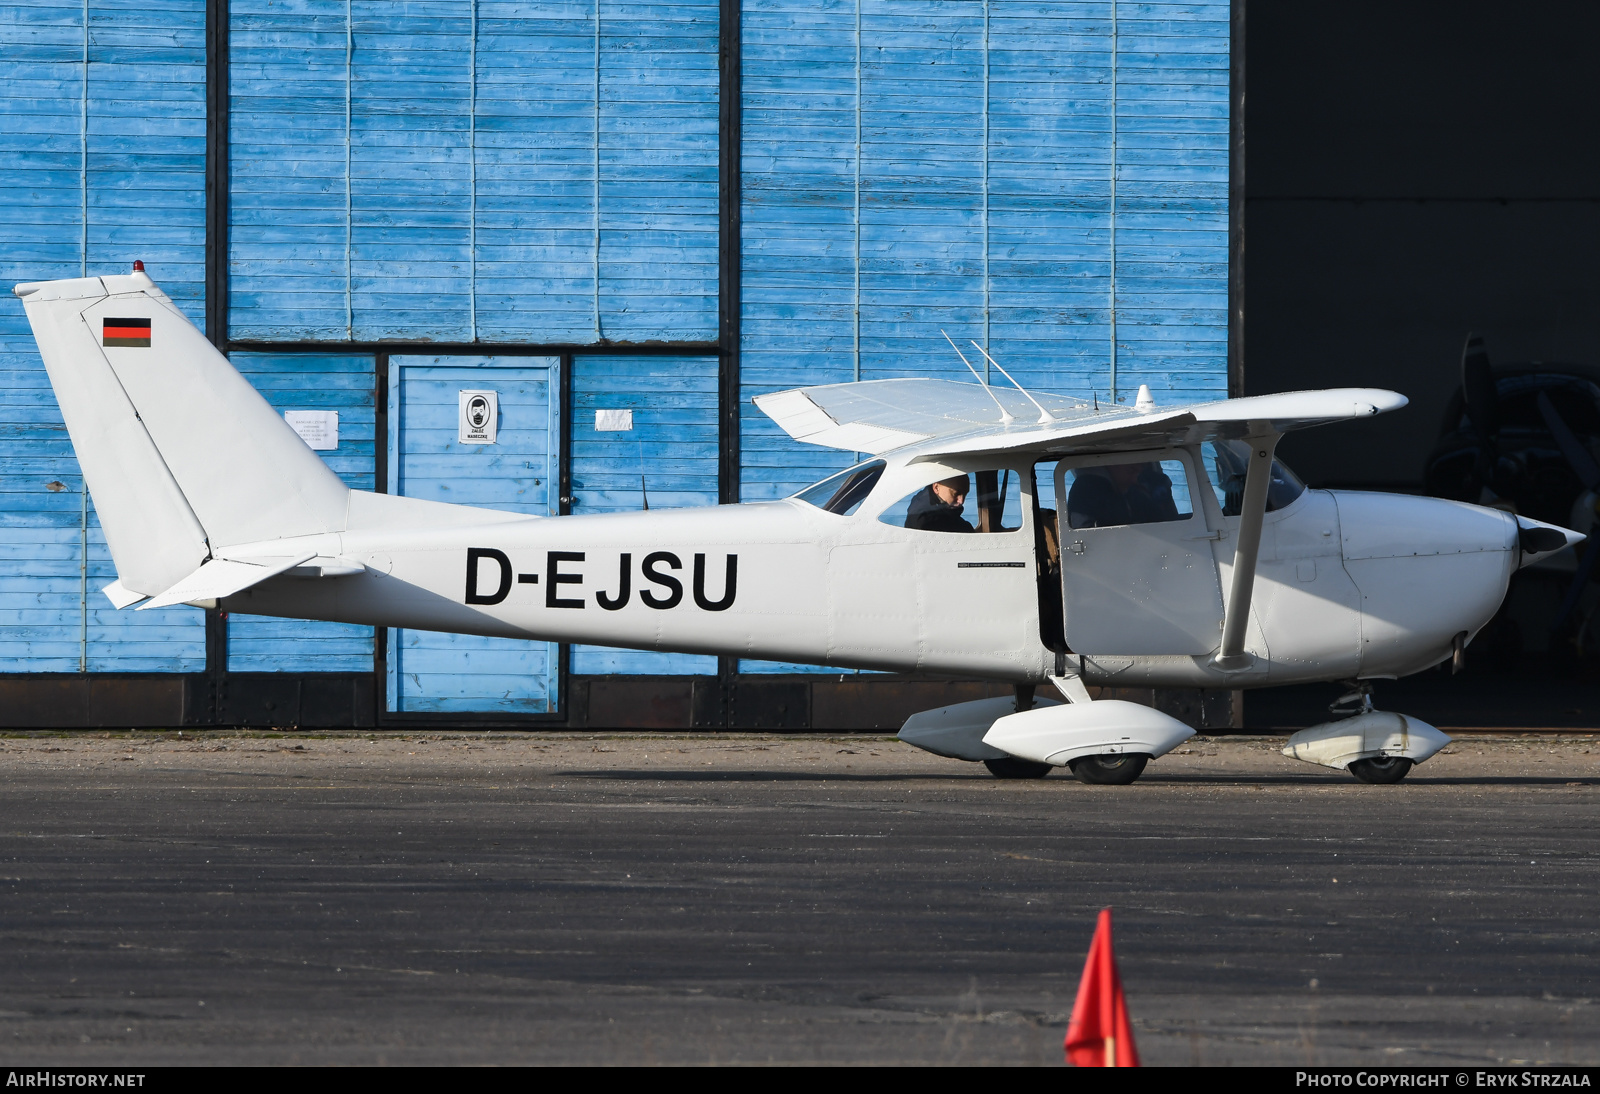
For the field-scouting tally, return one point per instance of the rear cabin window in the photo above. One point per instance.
(843, 493)
(988, 501)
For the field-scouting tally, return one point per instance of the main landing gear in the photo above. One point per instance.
(1095, 770)
(1010, 767)
(1109, 770)
(1104, 742)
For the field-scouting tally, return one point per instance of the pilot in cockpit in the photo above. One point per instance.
(938, 507)
(1120, 493)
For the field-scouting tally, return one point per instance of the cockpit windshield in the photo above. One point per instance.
(1226, 464)
(843, 493)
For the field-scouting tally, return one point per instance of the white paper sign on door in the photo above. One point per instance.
(318, 428)
(480, 417)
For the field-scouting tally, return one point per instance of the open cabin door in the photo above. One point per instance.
(1137, 572)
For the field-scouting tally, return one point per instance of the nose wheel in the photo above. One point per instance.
(1376, 747)
(1375, 770)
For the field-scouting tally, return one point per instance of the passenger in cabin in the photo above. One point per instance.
(938, 508)
(1120, 493)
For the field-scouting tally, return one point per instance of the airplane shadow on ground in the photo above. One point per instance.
(690, 776)
(1311, 778)
(1334, 778)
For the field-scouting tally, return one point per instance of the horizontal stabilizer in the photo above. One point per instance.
(120, 595)
(223, 577)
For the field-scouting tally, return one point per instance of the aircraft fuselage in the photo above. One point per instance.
(1347, 585)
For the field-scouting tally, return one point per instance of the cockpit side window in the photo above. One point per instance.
(843, 493)
(988, 501)
(1226, 464)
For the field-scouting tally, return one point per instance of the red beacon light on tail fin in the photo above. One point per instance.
(138, 266)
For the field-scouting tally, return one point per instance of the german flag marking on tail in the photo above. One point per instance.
(134, 333)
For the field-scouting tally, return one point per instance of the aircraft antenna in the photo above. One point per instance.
(1044, 415)
(1005, 415)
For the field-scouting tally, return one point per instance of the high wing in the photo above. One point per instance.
(933, 418)
(936, 419)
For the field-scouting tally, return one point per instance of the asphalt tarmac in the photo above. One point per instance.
(463, 899)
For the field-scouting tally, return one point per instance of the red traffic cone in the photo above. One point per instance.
(1100, 1033)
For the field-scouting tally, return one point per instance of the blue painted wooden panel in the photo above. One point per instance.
(798, 219)
(671, 453)
(127, 640)
(303, 381)
(105, 163)
(451, 169)
(1172, 200)
(411, 135)
(536, 171)
(429, 671)
(912, 166)
(658, 170)
(287, 161)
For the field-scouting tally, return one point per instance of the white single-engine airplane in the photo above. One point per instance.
(994, 534)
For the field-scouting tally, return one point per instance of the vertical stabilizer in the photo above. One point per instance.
(115, 344)
(154, 537)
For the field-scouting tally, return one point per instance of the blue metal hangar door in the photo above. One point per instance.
(1049, 181)
(432, 458)
(540, 178)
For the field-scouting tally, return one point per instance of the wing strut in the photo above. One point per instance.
(1231, 657)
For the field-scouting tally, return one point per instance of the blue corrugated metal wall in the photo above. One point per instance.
(305, 381)
(463, 169)
(671, 452)
(102, 146)
(1049, 179)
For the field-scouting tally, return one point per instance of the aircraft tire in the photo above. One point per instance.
(1009, 767)
(1380, 771)
(1110, 770)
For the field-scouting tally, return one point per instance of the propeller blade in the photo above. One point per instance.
(1477, 385)
(1573, 449)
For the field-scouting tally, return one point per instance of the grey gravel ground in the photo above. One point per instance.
(731, 899)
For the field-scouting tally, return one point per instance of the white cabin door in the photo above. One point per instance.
(1137, 572)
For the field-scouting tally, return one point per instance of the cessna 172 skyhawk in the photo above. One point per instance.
(992, 533)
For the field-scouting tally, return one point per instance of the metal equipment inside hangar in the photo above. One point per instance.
(623, 219)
